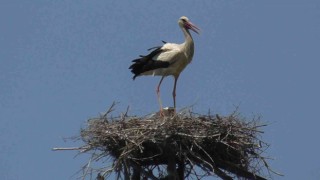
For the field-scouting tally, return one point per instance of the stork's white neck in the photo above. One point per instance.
(188, 44)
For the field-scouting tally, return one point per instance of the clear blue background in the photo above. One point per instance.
(62, 62)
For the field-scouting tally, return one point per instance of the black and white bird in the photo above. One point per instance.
(169, 59)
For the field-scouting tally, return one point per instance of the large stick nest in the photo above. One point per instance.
(225, 146)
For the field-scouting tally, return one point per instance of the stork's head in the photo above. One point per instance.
(185, 23)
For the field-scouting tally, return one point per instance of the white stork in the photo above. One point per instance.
(169, 59)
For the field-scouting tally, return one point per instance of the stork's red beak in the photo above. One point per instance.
(193, 27)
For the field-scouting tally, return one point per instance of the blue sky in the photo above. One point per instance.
(63, 62)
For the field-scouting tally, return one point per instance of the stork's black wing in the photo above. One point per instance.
(146, 63)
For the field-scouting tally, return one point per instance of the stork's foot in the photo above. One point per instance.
(161, 113)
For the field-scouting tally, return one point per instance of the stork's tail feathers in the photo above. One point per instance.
(146, 63)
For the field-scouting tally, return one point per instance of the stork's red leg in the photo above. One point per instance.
(158, 95)
(174, 92)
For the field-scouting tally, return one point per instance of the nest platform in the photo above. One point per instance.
(182, 145)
